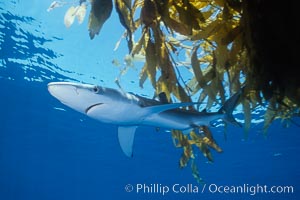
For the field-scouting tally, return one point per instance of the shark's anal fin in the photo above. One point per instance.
(126, 138)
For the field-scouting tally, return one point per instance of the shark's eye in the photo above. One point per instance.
(96, 89)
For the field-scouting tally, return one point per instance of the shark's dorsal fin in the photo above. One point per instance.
(163, 98)
(126, 138)
(204, 110)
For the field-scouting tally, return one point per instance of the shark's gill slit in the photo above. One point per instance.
(90, 107)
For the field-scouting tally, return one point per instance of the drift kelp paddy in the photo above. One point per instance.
(218, 43)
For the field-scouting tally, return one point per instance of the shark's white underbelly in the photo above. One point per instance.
(119, 114)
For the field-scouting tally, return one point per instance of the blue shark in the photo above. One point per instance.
(129, 111)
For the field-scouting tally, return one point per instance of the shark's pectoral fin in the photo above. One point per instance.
(164, 107)
(126, 138)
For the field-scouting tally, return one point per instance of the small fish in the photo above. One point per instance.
(55, 4)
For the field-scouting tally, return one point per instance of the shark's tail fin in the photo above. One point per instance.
(228, 107)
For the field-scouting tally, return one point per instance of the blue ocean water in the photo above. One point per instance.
(48, 151)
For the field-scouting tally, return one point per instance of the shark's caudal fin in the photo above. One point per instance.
(229, 106)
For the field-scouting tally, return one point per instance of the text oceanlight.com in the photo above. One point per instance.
(163, 189)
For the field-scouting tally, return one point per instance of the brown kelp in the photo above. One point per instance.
(222, 50)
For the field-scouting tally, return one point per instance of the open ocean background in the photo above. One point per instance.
(50, 152)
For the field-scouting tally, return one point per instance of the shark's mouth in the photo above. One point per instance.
(90, 107)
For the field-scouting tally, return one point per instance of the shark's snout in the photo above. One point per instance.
(75, 95)
(61, 91)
